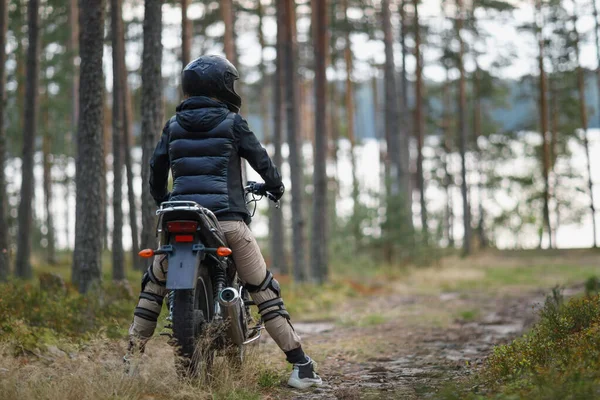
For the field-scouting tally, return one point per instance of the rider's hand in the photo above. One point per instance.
(277, 193)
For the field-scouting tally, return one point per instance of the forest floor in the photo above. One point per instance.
(395, 338)
(436, 325)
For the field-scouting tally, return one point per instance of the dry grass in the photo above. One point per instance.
(97, 372)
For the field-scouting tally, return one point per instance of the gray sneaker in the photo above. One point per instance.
(304, 376)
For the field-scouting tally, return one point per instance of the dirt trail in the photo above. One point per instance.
(410, 359)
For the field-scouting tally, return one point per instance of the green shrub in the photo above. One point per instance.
(31, 317)
(558, 359)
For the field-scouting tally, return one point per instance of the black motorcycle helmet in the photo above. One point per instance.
(212, 76)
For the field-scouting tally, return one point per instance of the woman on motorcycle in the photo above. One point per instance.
(202, 145)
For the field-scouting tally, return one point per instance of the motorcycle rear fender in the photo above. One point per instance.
(184, 259)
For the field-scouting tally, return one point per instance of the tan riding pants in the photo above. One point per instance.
(251, 268)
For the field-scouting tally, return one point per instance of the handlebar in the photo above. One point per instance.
(253, 188)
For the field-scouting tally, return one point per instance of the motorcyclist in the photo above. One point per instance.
(202, 145)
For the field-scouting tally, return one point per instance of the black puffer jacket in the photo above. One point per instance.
(202, 145)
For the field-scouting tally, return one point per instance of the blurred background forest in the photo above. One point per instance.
(405, 129)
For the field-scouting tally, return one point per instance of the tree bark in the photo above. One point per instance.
(477, 130)
(399, 213)
(584, 124)
(47, 184)
(404, 108)
(391, 103)
(349, 100)
(73, 49)
(4, 242)
(117, 35)
(186, 34)
(597, 43)
(554, 154)
(152, 111)
(419, 123)
(462, 126)
(294, 144)
(87, 260)
(30, 115)
(320, 217)
(276, 228)
(543, 105)
(447, 147)
(136, 261)
(229, 39)
(263, 75)
(106, 133)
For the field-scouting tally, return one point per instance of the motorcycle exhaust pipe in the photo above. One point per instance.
(232, 304)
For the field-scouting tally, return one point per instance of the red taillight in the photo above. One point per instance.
(182, 226)
(184, 238)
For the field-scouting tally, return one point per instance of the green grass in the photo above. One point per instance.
(558, 359)
(269, 379)
(363, 320)
(509, 277)
(468, 315)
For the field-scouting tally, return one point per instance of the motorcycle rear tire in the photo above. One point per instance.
(192, 310)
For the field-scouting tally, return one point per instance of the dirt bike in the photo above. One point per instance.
(206, 298)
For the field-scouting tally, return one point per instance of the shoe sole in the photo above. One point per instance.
(304, 384)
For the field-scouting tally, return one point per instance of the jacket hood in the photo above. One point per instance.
(201, 112)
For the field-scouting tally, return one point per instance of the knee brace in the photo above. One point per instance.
(151, 298)
(267, 296)
(150, 276)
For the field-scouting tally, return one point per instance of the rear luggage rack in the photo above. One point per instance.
(168, 206)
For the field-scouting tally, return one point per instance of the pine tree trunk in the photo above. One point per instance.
(399, 213)
(229, 39)
(447, 145)
(391, 105)
(349, 101)
(320, 217)
(118, 263)
(420, 123)
(87, 257)
(152, 111)
(477, 132)
(554, 154)
(390, 125)
(597, 43)
(405, 109)
(136, 261)
(21, 58)
(294, 144)
(543, 104)
(47, 185)
(30, 115)
(477, 116)
(4, 242)
(186, 34)
(276, 228)
(263, 75)
(73, 49)
(106, 133)
(584, 127)
(334, 129)
(297, 81)
(462, 133)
